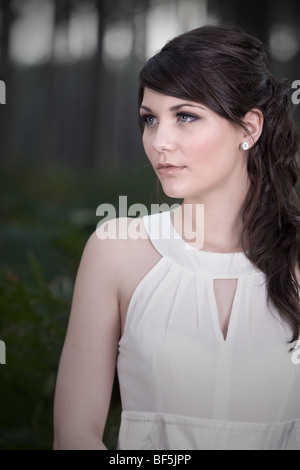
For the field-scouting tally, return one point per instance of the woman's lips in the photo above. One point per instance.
(167, 169)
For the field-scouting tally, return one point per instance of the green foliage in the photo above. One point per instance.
(33, 323)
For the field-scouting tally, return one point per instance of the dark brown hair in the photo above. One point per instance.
(227, 70)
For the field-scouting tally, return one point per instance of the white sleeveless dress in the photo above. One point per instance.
(183, 386)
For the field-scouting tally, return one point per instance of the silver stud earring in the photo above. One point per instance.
(244, 146)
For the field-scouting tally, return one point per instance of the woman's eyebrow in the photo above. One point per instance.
(146, 108)
(176, 108)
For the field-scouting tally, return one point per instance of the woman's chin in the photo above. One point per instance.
(173, 193)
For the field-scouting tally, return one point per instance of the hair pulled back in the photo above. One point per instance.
(227, 70)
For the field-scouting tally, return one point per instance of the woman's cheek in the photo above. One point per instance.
(147, 148)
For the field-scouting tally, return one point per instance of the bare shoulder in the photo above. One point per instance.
(120, 245)
(119, 235)
(123, 229)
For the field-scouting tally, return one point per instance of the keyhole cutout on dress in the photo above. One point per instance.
(224, 290)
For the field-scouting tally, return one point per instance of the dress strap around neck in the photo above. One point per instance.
(169, 244)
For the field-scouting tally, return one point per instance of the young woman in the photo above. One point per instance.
(201, 329)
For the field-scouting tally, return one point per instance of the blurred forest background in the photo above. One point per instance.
(69, 141)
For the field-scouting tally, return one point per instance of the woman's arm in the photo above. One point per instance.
(87, 366)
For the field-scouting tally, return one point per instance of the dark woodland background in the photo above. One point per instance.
(69, 141)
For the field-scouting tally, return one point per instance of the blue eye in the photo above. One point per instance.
(148, 120)
(185, 117)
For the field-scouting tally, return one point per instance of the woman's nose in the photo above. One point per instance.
(164, 139)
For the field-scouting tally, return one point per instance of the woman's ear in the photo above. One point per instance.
(253, 122)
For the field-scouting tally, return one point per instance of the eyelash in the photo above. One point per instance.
(144, 118)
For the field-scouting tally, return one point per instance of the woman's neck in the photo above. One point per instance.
(212, 225)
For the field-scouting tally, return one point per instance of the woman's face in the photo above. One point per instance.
(194, 151)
